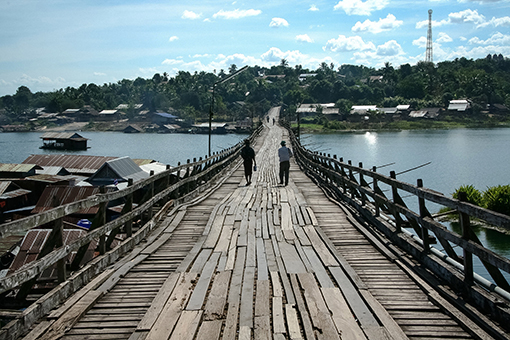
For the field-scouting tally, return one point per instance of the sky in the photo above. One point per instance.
(52, 44)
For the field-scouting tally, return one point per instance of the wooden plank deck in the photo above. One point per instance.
(260, 262)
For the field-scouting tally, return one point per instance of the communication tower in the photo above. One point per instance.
(428, 55)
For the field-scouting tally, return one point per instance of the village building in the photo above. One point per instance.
(109, 115)
(459, 105)
(8, 170)
(64, 141)
(132, 129)
(304, 76)
(216, 128)
(428, 113)
(117, 172)
(162, 118)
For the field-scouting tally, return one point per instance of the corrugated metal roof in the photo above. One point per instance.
(34, 240)
(48, 178)
(403, 107)
(166, 115)
(65, 195)
(14, 193)
(25, 167)
(78, 164)
(52, 170)
(108, 112)
(120, 169)
(63, 135)
(4, 185)
(156, 167)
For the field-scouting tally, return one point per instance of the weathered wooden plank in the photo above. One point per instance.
(196, 301)
(291, 259)
(341, 314)
(209, 330)
(234, 296)
(262, 271)
(318, 268)
(170, 313)
(286, 224)
(262, 328)
(201, 260)
(232, 249)
(303, 312)
(187, 326)
(322, 250)
(215, 305)
(318, 310)
(68, 319)
(292, 322)
(262, 298)
(214, 233)
(278, 316)
(246, 310)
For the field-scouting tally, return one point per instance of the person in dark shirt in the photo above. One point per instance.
(248, 155)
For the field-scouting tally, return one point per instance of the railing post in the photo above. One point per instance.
(376, 201)
(394, 192)
(151, 193)
(129, 208)
(351, 189)
(363, 199)
(468, 257)
(423, 213)
(102, 221)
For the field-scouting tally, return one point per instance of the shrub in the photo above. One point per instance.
(497, 199)
(473, 195)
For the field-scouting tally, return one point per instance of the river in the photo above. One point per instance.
(479, 157)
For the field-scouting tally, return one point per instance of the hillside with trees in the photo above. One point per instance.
(485, 82)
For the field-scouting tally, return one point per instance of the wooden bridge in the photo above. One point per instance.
(326, 257)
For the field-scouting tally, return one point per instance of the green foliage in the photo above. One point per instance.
(497, 199)
(494, 198)
(473, 195)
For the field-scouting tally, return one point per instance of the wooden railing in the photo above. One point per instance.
(165, 189)
(364, 190)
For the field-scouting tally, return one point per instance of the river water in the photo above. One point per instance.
(479, 157)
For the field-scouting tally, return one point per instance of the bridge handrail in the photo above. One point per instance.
(194, 172)
(339, 178)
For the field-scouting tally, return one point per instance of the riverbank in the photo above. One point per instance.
(309, 126)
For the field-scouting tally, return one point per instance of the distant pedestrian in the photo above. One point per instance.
(248, 155)
(273, 121)
(284, 154)
(268, 119)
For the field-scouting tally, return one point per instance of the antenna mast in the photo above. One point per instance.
(428, 55)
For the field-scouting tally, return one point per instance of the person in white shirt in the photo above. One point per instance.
(284, 153)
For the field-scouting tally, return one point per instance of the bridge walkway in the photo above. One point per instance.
(259, 261)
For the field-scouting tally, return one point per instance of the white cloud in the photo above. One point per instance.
(191, 15)
(496, 39)
(420, 42)
(278, 22)
(173, 38)
(344, 44)
(443, 38)
(201, 55)
(384, 24)
(481, 1)
(466, 16)
(304, 38)
(425, 23)
(358, 7)
(99, 74)
(389, 48)
(313, 8)
(237, 14)
(503, 21)
(172, 62)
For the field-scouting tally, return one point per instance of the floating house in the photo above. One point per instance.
(64, 141)
(117, 172)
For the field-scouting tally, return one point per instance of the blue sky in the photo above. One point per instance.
(52, 44)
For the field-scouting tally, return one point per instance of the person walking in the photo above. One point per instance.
(284, 153)
(248, 155)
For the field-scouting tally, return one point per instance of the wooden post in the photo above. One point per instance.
(102, 221)
(351, 189)
(151, 195)
(129, 208)
(376, 201)
(363, 197)
(394, 192)
(468, 257)
(423, 213)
